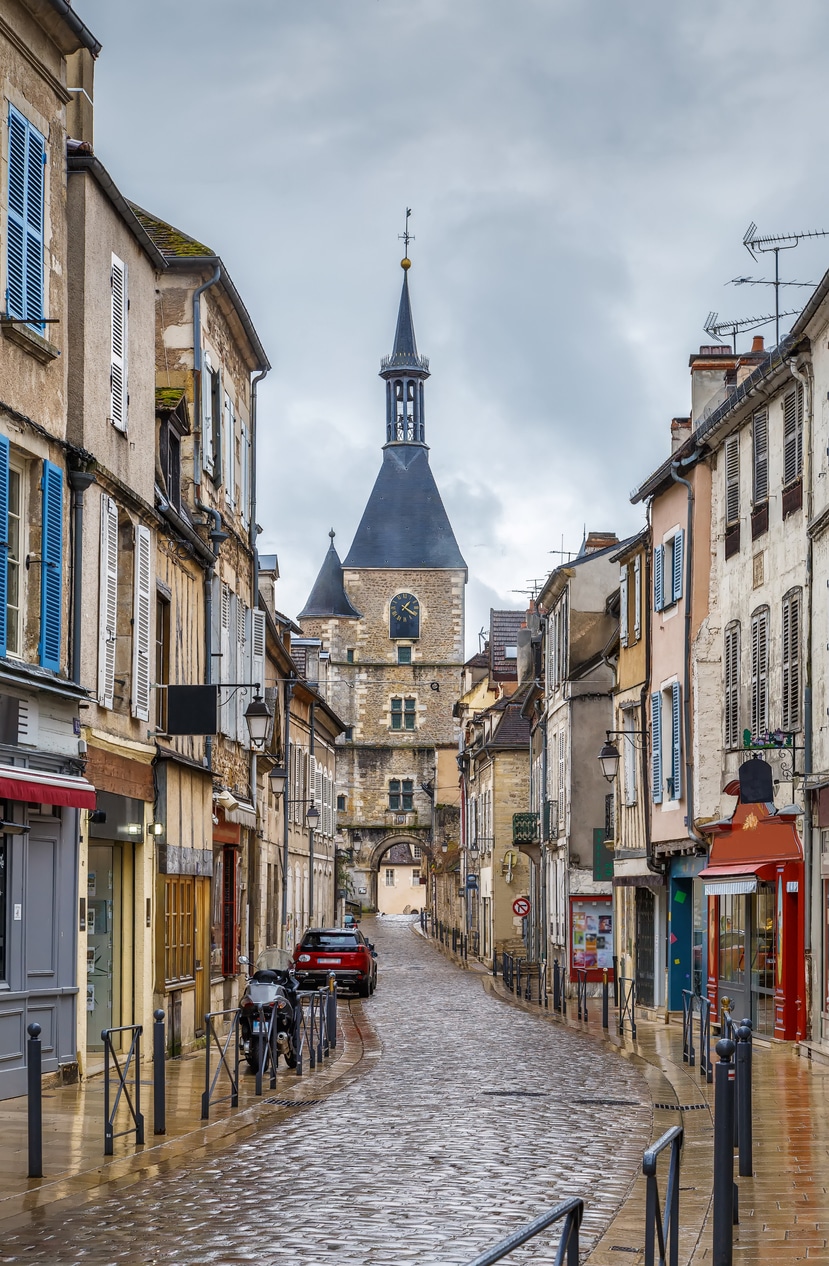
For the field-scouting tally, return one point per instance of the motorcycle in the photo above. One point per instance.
(270, 988)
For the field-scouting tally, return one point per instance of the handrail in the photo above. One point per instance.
(662, 1225)
(134, 1051)
(572, 1211)
(233, 1075)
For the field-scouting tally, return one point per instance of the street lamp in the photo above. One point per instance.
(609, 759)
(258, 716)
(278, 777)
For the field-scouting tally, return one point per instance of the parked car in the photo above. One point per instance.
(343, 951)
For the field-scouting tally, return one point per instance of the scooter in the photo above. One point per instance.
(270, 987)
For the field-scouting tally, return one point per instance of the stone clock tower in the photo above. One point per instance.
(391, 617)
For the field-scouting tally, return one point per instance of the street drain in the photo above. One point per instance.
(516, 1094)
(622, 1248)
(611, 1103)
(293, 1103)
(681, 1107)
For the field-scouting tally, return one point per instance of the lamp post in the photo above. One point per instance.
(258, 717)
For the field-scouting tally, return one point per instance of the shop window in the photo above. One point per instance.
(732, 939)
(179, 948)
(401, 795)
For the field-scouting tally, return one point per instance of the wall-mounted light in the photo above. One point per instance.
(155, 828)
(134, 828)
(258, 716)
(278, 778)
(13, 828)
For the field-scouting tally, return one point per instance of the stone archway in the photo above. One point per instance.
(368, 858)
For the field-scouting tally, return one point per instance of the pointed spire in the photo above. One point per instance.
(405, 373)
(405, 346)
(328, 596)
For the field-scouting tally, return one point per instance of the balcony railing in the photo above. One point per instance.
(525, 828)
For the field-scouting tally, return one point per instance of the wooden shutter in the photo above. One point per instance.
(118, 345)
(732, 480)
(108, 601)
(759, 673)
(659, 577)
(4, 538)
(656, 746)
(623, 606)
(207, 459)
(51, 567)
(732, 686)
(141, 624)
(257, 648)
(678, 559)
(676, 740)
(792, 435)
(229, 428)
(760, 453)
(24, 246)
(791, 660)
(637, 597)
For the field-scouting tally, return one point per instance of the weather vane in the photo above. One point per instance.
(406, 237)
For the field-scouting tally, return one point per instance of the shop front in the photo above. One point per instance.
(756, 928)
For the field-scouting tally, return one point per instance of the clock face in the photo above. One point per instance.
(404, 616)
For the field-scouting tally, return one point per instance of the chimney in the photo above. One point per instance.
(711, 370)
(80, 74)
(758, 343)
(680, 430)
(599, 540)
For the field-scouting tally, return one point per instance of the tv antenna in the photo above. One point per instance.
(535, 587)
(756, 244)
(716, 328)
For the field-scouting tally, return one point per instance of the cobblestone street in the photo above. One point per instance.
(423, 1155)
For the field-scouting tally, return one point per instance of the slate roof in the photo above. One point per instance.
(404, 524)
(503, 632)
(399, 854)
(328, 596)
(405, 354)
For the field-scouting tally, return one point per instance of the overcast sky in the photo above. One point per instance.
(581, 176)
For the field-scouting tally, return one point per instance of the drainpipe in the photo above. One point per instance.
(197, 400)
(79, 481)
(657, 867)
(289, 689)
(252, 468)
(217, 535)
(800, 372)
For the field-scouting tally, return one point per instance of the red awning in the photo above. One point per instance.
(737, 868)
(36, 787)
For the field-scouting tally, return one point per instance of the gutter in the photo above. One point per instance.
(76, 26)
(81, 163)
(254, 530)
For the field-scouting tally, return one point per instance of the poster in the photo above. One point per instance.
(591, 935)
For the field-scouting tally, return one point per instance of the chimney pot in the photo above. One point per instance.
(758, 343)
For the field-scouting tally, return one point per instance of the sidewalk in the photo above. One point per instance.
(784, 1207)
(73, 1124)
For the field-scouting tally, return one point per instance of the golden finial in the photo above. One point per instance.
(405, 264)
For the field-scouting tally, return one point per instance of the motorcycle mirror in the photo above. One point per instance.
(244, 961)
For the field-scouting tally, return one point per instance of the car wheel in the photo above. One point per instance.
(363, 988)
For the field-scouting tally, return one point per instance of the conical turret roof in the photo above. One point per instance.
(328, 596)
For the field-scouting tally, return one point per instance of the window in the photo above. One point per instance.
(162, 659)
(229, 453)
(211, 430)
(759, 672)
(792, 435)
(229, 913)
(169, 456)
(14, 535)
(760, 457)
(107, 601)
(349, 655)
(401, 795)
(389, 876)
(244, 474)
(403, 714)
(510, 652)
(404, 654)
(666, 724)
(732, 685)
(341, 804)
(4, 862)
(732, 480)
(179, 928)
(24, 244)
(623, 606)
(668, 571)
(141, 610)
(791, 660)
(119, 304)
(415, 878)
(348, 733)
(416, 852)
(629, 739)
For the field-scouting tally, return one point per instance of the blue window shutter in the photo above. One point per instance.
(659, 577)
(24, 251)
(679, 541)
(676, 741)
(51, 569)
(4, 538)
(656, 746)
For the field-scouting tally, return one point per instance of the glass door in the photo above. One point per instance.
(103, 903)
(732, 953)
(762, 961)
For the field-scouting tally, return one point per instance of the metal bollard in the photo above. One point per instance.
(724, 1187)
(556, 985)
(332, 1010)
(605, 1000)
(35, 1101)
(298, 1037)
(744, 1125)
(159, 1070)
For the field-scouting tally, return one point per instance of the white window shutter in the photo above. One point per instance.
(107, 601)
(207, 414)
(141, 625)
(623, 606)
(229, 429)
(637, 596)
(118, 345)
(257, 648)
(242, 697)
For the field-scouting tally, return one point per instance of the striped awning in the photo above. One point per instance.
(730, 887)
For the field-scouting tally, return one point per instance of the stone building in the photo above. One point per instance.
(390, 619)
(41, 470)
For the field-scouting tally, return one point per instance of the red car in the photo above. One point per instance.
(343, 951)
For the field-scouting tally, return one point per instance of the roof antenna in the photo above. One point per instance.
(778, 242)
(405, 237)
(716, 328)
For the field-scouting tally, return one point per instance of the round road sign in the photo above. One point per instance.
(521, 907)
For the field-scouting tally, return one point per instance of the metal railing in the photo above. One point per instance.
(223, 1045)
(627, 1004)
(581, 992)
(266, 1040)
(699, 1004)
(532, 981)
(662, 1221)
(313, 1028)
(570, 1212)
(559, 988)
(132, 1061)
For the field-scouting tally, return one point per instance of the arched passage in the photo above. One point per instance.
(403, 854)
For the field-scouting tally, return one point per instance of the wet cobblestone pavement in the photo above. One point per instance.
(427, 1156)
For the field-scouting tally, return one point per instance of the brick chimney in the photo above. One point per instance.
(595, 541)
(680, 430)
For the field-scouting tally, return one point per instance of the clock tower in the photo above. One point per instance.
(391, 617)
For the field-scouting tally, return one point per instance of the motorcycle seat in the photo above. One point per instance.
(266, 976)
